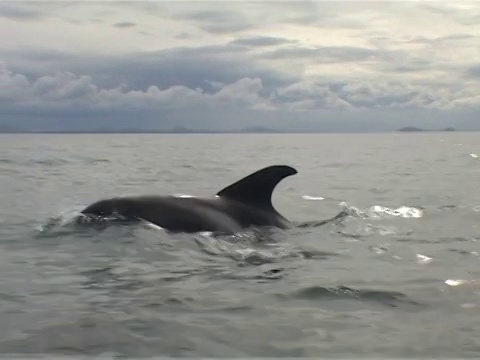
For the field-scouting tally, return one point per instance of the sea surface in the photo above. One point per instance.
(398, 277)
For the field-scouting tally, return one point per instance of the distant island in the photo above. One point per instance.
(415, 129)
(8, 129)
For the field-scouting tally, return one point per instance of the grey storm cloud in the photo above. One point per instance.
(68, 90)
(214, 75)
(191, 67)
(66, 95)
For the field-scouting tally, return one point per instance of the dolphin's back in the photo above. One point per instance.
(185, 214)
(199, 214)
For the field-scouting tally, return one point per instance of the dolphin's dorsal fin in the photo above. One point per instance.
(257, 188)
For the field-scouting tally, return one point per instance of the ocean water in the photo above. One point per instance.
(398, 277)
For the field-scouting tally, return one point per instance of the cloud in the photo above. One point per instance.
(124, 24)
(18, 11)
(261, 41)
(65, 91)
(192, 67)
(329, 54)
(218, 63)
(12, 86)
(184, 35)
(216, 21)
(473, 71)
(464, 13)
(311, 96)
(441, 40)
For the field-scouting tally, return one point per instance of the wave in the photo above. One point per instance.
(379, 212)
(389, 298)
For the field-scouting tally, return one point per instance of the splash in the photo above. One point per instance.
(247, 247)
(312, 198)
(152, 226)
(422, 259)
(74, 221)
(455, 282)
(378, 211)
(61, 220)
(183, 195)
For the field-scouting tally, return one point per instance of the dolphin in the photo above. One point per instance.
(243, 204)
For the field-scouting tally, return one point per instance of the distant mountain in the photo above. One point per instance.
(415, 129)
(175, 130)
(7, 129)
(410, 129)
(259, 129)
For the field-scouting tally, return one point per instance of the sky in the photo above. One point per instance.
(224, 65)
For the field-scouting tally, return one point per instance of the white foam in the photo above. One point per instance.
(183, 195)
(387, 231)
(313, 198)
(422, 259)
(205, 233)
(352, 210)
(153, 226)
(379, 250)
(406, 212)
(403, 211)
(453, 282)
(245, 252)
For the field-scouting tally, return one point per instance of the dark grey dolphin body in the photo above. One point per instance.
(245, 203)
